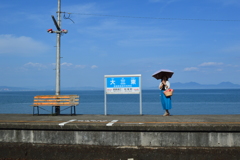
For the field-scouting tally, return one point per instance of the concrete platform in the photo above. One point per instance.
(119, 137)
(123, 122)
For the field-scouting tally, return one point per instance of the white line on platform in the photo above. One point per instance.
(62, 124)
(111, 123)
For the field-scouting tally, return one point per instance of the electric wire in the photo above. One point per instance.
(65, 17)
(181, 19)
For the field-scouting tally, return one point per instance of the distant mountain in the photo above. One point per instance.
(178, 85)
(194, 85)
(6, 88)
(82, 88)
(47, 88)
(228, 84)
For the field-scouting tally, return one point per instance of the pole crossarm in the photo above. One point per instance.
(59, 32)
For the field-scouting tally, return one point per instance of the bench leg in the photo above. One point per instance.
(34, 110)
(73, 110)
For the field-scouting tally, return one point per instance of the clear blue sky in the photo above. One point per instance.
(207, 52)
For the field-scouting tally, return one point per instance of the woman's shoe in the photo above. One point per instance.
(166, 114)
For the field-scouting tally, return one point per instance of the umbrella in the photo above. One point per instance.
(163, 72)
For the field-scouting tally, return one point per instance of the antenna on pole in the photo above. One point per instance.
(58, 57)
(56, 24)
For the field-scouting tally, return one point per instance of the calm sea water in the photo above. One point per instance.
(184, 102)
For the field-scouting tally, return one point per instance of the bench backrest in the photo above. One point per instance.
(56, 100)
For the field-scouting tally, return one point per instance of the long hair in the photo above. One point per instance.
(166, 79)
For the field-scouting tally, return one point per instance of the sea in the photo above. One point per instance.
(184, 102)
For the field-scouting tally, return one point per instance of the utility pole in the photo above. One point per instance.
(58, 64)
(58, 49)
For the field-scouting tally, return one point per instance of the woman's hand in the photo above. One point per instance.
(164, 82)
(166, 86)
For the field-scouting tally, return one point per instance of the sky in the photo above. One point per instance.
(198, 40)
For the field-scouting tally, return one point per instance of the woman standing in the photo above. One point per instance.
(166, 101)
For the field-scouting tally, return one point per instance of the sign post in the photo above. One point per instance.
(122, 84)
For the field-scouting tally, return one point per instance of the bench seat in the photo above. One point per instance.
(56, 101)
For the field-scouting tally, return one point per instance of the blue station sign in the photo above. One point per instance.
(123, 85)
(122, 82)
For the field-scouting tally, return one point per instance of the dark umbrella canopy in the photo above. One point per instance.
(163, 72)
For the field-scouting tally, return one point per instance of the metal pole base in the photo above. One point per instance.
(57, 110)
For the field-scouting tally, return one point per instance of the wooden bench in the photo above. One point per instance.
(56, 101)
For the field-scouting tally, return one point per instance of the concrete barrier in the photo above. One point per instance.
(123, 138)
